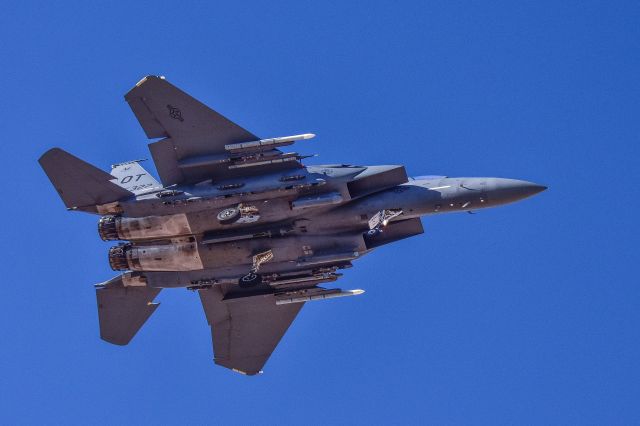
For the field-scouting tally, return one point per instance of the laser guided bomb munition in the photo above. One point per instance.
(246, 225)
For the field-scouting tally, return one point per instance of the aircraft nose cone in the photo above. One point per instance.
(510, 190)
(534, 188)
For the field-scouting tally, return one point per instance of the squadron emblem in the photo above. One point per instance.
(175, 113)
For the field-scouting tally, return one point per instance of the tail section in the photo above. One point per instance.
(134, 178)
(124, 305)
(79, 184)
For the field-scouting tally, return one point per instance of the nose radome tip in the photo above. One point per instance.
(539, 188)
(535, 188)
(528, 189)
(510, 190)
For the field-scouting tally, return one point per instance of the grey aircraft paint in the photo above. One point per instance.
(245, 224)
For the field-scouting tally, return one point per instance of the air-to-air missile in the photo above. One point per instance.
(246, 225)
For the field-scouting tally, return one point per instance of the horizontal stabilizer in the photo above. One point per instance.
(79, 183)
(122, 311)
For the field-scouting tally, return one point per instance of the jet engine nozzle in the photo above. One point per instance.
(113, 228)
(180, 255)
(118, 257)
(108, 229)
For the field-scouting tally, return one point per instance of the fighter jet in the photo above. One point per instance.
(245, 224)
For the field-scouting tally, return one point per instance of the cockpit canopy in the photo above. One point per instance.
(427, 177)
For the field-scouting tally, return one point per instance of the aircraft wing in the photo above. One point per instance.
(245, 331)
(122, 311)
(193, 148)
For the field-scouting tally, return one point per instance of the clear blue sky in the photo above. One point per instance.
(527, 314)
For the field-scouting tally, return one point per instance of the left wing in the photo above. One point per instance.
(163, 110)
(196, 137)
(245, 331)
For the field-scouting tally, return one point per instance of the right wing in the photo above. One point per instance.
(245, 331)
(193, 148)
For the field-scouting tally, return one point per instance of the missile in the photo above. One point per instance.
(325, 294)
(267, 143)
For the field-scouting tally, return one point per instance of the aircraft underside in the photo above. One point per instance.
(249, 227)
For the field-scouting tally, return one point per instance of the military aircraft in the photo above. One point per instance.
(243, 223)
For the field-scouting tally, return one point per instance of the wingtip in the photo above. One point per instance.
(50, 152)
(115, 340)
(149, 77)
(247, 373)
(141, 82)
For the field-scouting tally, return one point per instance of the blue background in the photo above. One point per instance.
(527, 314)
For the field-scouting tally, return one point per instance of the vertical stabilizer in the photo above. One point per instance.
(134, 178)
